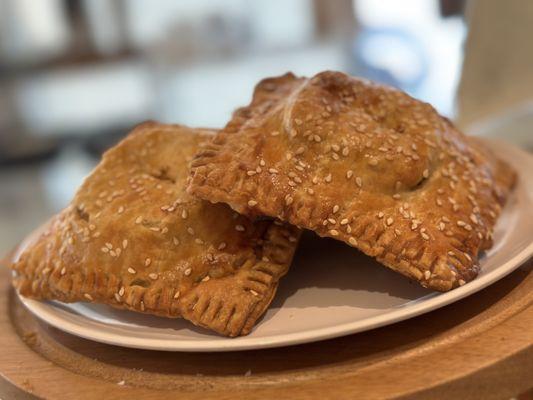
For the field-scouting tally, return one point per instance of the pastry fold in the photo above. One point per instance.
(362, 163)
(133, 238)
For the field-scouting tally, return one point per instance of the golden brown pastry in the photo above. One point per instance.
(362, 163)
(132, 238)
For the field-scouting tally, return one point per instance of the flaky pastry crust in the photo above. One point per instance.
(134, 239)
(362, 163)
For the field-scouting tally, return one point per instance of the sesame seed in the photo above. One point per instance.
(222, 246)
(105, 249)
(63, 271)
(153, 276)
(187, 272)
(288, 200)
(427, 274)
(262, 162)
(336, 208)
(273, 170)
(328, 178)
(389, 221)
(154, 229)
(164, 230)
(138, 220)
(254, 292)
(121, 209)
(190, 231)
(125, 243)
(344, 221)
(461, 223)
(332, 221)
(373, 162)
(239, 228)
(177, 294)
(251, 173)
(175, 240)
(273, 133)
(88, 296)
(424, 235)
(425, 174)
(252, 203)
(359, 181)
(352, 241)
(121, 291)
(461, 282)
(333, 232)
(147, 262)
(396, 196)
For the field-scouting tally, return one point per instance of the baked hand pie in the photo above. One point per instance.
(133, 238)
(362, 163)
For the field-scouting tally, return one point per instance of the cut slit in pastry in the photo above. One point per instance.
(133, 238)
(362, 163)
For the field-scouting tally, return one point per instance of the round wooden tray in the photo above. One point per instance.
(477, 348)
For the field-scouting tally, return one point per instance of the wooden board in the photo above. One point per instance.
(478, 348)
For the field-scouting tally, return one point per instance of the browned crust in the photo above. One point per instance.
(362, 163)
(132, 233)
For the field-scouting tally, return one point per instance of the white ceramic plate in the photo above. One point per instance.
(331, 290)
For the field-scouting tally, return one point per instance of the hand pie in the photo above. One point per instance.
(132, 238)
(361, 163)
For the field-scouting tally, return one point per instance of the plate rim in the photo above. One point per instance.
(47, 312)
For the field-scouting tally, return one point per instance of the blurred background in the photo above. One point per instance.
(76, 75)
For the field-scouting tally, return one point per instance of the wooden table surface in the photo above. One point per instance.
(477, 348)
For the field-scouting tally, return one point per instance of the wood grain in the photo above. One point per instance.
(480, 347)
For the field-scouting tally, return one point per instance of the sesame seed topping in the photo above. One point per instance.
(332, 221)
(138, 220)
(389, 221)
(352, 241)
(273, 170)
(239, 228)
(425, 174)
(274, 133)
(461, 282)
(254, 292)
(105, 249)
(251, 173)
(252, 203)
(328, 178)
(333, 232)
(177, 294)
(427, 274)
(153, 276)
(222, 246)
(288, 200)
(121, 291)
(349, 174)
(88, 296)
(424, 235)
(373, 162)
(147, 262)
(187, 272)
(359, 181)
(336, 208)
(121, 209)
(344, 221)
(175, 240)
